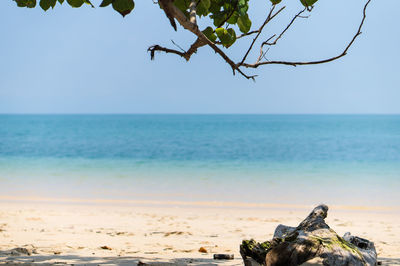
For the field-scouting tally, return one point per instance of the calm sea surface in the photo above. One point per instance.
(305, 159)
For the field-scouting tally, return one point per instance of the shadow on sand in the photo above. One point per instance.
(50, 259)
(41, 259)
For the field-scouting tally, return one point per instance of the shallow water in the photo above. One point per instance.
(304, 159)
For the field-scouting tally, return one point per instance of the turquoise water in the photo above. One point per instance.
(305, 159)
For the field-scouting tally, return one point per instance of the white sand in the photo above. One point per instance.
(73, 233)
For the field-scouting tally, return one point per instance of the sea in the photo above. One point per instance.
(347, 160)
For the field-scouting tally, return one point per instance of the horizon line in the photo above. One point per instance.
(199, 113)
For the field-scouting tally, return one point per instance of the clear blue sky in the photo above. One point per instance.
(94, 61)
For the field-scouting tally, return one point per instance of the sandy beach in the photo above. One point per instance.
(92, 233)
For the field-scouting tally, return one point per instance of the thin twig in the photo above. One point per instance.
(262, 54)
(174, 43)
(154, 48)
(268, 19)
(185, 54)
(287, 27)
(267, 42)
(290, 63)
(246, 34)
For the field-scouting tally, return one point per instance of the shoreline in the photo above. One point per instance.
(199, 204)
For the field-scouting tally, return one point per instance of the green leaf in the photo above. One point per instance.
(26, 3)
(61, 1)
(106, 3)
(182, 4)
(209, 32)
(202, 7)
(75, 3)
(232, 34)
(275, 2)
(46, 4)
(31, 3)
(244, 23)
(219, 18)
(234, 18)
(214, 7)
(124, 7)
(308, 3)
(227, 37)
(242, 7)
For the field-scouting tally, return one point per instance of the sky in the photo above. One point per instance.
(91, 60)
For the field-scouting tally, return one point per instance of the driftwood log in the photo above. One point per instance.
(313, 238)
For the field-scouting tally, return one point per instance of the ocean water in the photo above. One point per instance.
(278, 159)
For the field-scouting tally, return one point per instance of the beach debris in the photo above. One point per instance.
(166, 234)
(203, 250)
(312, 238)
(106, 247)
(184, 251)
(57, 252)
(20, 251)
(173, 233)
(223, 256)
(24, 250)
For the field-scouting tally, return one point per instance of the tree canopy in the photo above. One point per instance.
(227, 21)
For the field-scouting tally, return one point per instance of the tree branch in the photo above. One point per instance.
(201, 37)
(358, 33)
(246, 34)
(262, 53)
(193, 49)
(287, 27)
(268, 19)
(202, 40)
(154, 48)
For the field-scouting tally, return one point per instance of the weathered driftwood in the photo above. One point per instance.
(312, 238)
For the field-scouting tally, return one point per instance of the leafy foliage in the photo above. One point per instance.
(227, 16)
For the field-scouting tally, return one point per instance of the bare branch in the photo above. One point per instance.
(262, 54)
(246, 34)
(202, 40)
(193, 49)
(268, 19)
(267, 42)
(154, 48)
(358, 33)
(174, 43)
(287, 27)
